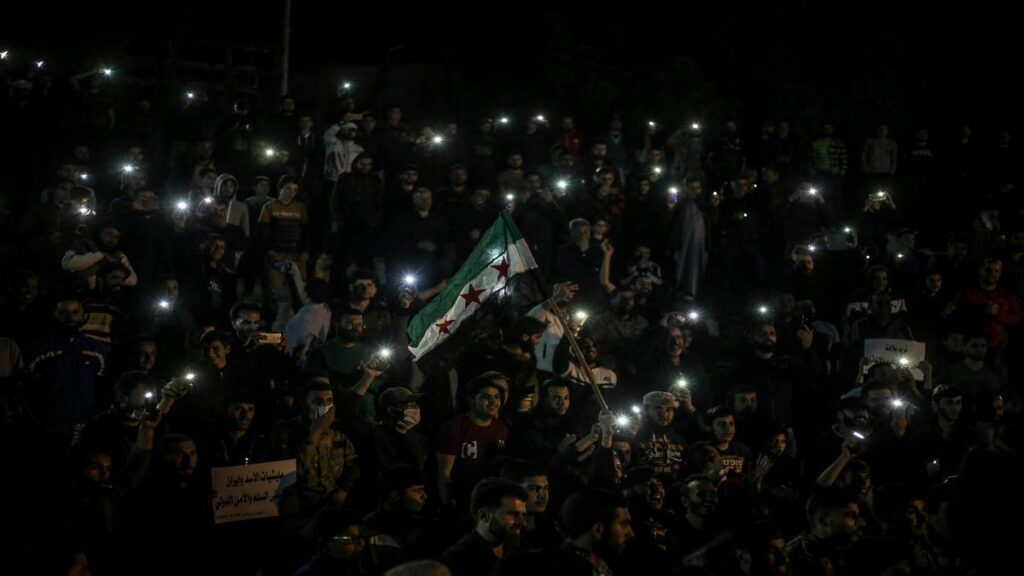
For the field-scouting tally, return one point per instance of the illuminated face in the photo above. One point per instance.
(288, 192)
(724, 429)
(216, 353)
(537, 493)
(247, 322)
(364, 165)
(487, 402)
(145, 355)
(661, 414)
(557, 400)
(778, 445)
(182, 456)
(347, 544)
(240, 415)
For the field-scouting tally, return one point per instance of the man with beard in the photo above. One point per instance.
(597, 526)
(234, 442)
(616, 330)
(65, 366)
(364, 295)
(340, 150)
(539, 531)
(398, 526)
(698, 526)
(835, 524)
(657, 446)
(975, 373)
(852, 426)
(341, 356)
(499, 513)
(776, 378)
(106, 313)
(943, 441)
(652, 546)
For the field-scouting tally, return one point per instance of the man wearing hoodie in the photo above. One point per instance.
(226, 187)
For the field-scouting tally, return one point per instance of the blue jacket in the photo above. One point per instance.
(67, 367)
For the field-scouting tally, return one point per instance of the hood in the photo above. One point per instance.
(220, 182)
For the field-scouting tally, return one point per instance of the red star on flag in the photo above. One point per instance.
(443, 326)
(502, 269)
(473, 295)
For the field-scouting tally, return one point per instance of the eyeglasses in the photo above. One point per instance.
(349, 539)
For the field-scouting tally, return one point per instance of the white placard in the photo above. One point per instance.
(890, 350)
(252, 491)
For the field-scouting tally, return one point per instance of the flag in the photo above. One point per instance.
(501, 254)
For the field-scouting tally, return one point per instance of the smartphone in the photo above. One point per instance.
(271, 337)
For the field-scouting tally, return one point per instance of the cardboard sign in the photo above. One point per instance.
(893, 351)
(252, 491)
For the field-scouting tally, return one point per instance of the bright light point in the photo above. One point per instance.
(190, 95)
(269, 152)
(622, 421)
(657, 169)
(182, 205)
(744, 215)
(347, 85)
(190, 376)
(149, 395)
(858, 435)
(693, 316)
(384, 352)
(83, 176)
(510, 197)
(580, 315)
(652, 124)
(562, 184)
(504, 120)
(128, 168)
(83, 210)
(208, 200)
(438, 139)
(39, 63)
(847, 230)
(3, 55)
(409, 279)
(812, 191)
(812, 248)
(897, 403)
(763, 309)
(539, 118)
(867, 256)
(107, 71)
(673, 190)
(695, 126)
(165, 304)
(880, 194)
(899, 255)
(682, 383)
(635, 409)
(904, 361)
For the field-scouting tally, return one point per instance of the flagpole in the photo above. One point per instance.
(576, 349)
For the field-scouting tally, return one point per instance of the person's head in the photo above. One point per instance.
(480, 199)
(744, 400)
(318, 396)
(261, 186)
(213, 248)
(179, 454)
(25, 286)
(348, 131)
(486, 394)
(624, 302)
(700, 496)
(678, 340)
(514, 161)
(363, 164)
(207, 179)
(833, 514)
(403, 488)
(499, 509)
(599, 150)
(339, 533)
(111, 277)
(878, 277)
(531, 477)
(68, 312)
(659, 408)
(882, 131)
(933, 282)
(362, 285)
(763, 337)
(723, 424)
(239, 411)
(109, 237)
(598, 520)
(134, 392)
(696, 186)
(246, 319)
(423, 199)
(458, 175)
(525, 332)
(305, 123)
(287, 189)
(554, 397)
(878, 396)
(394, 115)
(216, 346)
(704, 459)
(144, 353)
(579, 231)
(948, 402)
(94, 468)
(803, 261)
(853, 413)
(975, 347)
(990, 273)
(226, 186)
(777, 441)
(399, 409)
(567, 124)
(350, 325)
(409, 175)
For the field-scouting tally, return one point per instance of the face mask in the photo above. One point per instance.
(322, 410)
(409, 419)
